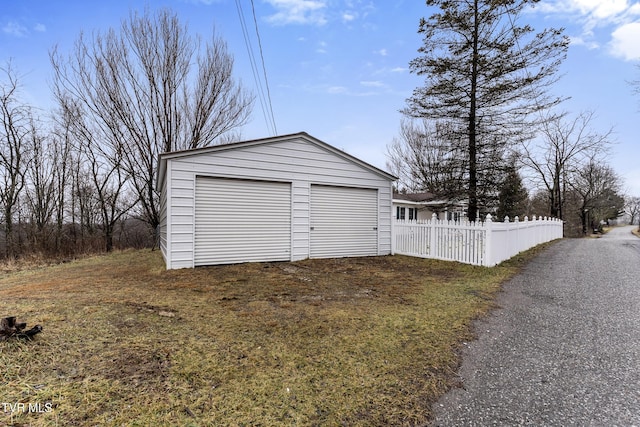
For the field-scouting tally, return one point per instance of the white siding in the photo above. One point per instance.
(163, 222)
(296, 160)
(300, 243)
(385, 216)
(344, 221)
(182, 219)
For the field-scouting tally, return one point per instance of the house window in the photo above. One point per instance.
(454, 216)
(406, 213)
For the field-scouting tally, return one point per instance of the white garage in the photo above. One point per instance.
(284, 198)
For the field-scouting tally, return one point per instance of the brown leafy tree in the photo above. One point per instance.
(487, 71)
(150, 87)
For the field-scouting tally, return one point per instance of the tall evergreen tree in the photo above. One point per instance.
(486, 71)
(513, 197)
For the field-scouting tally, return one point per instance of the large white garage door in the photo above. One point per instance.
(344, 221)
(242, 221)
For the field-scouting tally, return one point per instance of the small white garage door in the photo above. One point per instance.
(242, 221)
(344, 222)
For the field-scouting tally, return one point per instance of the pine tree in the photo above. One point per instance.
(486, 72)
(513, 197)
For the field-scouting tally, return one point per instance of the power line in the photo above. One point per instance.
(265, 100)
(264, 69)
(247, 42)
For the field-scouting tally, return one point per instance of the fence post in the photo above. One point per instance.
(432, 236)
(486, 260)
(508, 242)
(393, 235)
(516, 225)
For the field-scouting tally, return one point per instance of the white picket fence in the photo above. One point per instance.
(479, 243)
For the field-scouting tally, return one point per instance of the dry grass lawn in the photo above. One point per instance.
(355, 341)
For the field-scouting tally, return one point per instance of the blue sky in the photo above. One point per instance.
(338, 69)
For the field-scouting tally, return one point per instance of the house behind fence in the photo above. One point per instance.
(479, 243)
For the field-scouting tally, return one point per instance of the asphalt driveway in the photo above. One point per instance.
(563, 349)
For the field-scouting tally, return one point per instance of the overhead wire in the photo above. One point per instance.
(264, 69)
(265, 99)
(247, 41)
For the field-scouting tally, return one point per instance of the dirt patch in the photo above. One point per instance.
(138, 366)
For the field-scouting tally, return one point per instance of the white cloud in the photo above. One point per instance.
(348, 16)
(580, 41)
(41, 28)
(15, 29)
(372, 83)
(318, 12)
(599, 9)
(618, 18)
(336, 90)
(625, 42)
(381, 52)
(322, 47)
(298, 12)
(385, 71)
(367, 88)
(205, 2)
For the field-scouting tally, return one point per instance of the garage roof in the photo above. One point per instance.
(235, 145)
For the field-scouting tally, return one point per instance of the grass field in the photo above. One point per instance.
(354, 341)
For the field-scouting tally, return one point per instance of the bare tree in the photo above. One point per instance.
(150, 87)
(632, 207)
(635, 84)
(41, 196)
(108, 182)
(86, 213)
(432, 157)
(562, 149)
(62, 150)
(597, 186)
(16, 127)
(425, 159)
